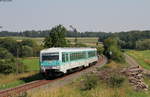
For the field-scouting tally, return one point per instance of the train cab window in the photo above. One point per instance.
(50, 56)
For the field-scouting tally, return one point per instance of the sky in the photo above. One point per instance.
(84, 15)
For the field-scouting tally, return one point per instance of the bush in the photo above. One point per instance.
(11, 66)
(5, 54)
(90, 81)
(100, 50)
(116, 81)
(26, 51)
(6, 66)
(116, 54)
(28, 42)
(143, 44)
(10, 44)
(112, 49)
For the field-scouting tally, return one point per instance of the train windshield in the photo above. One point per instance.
(50, 56)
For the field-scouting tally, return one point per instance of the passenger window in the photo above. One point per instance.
(66, 57)
(63, 57)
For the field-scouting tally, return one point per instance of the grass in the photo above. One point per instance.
(142, 57)
(13, 80)
(102, 89)
(31, 63)
(84, 39)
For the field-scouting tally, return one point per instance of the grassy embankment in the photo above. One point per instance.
(105, 85)
(12, 80)
(142, 57)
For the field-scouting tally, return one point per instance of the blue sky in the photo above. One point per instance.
(85, 15)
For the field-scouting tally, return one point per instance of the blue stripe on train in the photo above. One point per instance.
(50, 63)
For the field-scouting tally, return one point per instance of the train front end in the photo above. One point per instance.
(49, 63)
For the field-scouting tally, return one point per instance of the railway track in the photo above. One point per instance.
(23, 88)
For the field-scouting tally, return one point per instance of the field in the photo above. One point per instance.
(31, 63)
(12, 80)
(142, 57)
(101, 89)
(89, 41)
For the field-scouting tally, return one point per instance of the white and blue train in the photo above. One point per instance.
(60, 60)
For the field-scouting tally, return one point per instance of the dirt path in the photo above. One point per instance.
(70, 78)
(130, 60)
(133, 62)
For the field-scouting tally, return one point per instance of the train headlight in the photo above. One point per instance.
(42, 68)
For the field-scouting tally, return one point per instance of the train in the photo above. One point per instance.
(56, 61)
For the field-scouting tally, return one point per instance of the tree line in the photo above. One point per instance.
(128, 40)
(102, 35)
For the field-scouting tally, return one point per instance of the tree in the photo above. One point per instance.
(56, 37)
(8, 66)
(112, 50)
(27, 51)
(10, 44)
(143, 44)
(28, 42)
(5, 54)
(100, 49)
(32, 44)
(48, 42)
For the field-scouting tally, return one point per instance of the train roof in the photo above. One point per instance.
(66, 49)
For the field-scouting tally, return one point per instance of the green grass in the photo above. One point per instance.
(31, 63)
(11, 84)
(12, 80)
(142, 57)
(83, 39)
(102, 89)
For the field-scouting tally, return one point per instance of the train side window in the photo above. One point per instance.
(63, 57)
(66, 56)
(91, 54)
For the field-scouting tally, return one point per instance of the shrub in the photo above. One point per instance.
(11, 66)
(90, 81)
(100, 49)
(6, 66)
(28, 42)
(5, 54)
(26, 51)
(10, 44)
(143, 44)
(115, 81)
(112, 49)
